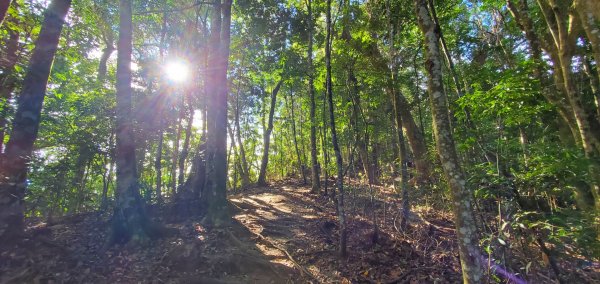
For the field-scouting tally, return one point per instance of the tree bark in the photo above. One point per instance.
(215, 191)
(594, 83)
(108, 38)
(315, 177)
(236, 156)
(362, 140)
(175, 154)
(559, 42)
(565, 33)
(588, 15)
(107, 175)
(13, 171)
(4, 5)
(323, 131)
(334, 139)
(158, 159)
(80, 170)
(186, 144)
(161, 120)
(520, 12)
(293, 124)
(106, 53)
(402, 153)
(129, 220)
(414, 135)
(464, 219)
(106, 180)
(245, 175)
(402, 161)
(267, 136)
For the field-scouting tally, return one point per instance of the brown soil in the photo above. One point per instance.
(279, 234)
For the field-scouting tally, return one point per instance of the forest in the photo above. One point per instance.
(300, 141)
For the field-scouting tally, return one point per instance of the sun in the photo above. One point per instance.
(177, 71)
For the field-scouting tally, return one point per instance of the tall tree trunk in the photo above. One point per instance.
(106, 53)
(215, 191)
(560, 51)
(107, 175)
(4, 5)
(334, 139)
(161, 120)
(81, 192)
(106, 180)
(520, 12)
(566, 31)
(108, 38)
(415, 138)
(402, 160)
(588, 14)
(293, 123)
(158, 159)
(7, 80)
(186, 144)
(464, 219)
(590, 142)
(80, 171)
(13, 170)
(315, 177)
(244, 172)
(489, 155)
(362, 139)
(402, 153)
(175, 154)
(235, 156)
(594, 83)
(129, 221)
(324, 145)
(267, 136)
(448, 57)
(414, 135)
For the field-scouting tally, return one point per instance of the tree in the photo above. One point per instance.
(334, 138)
(130, 221)
(4, 5)
(267, 136)
(244, 172)
(559, 40)
(464, 221)
(315, 178)
(26, 122)
(589, 15)
(215, 194)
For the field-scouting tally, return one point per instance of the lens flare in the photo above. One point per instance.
(177, 71)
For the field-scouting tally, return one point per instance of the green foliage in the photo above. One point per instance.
(511, 98)
(511, 144)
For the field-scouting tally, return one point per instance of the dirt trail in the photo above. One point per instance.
(279, 234)
(303, 228)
